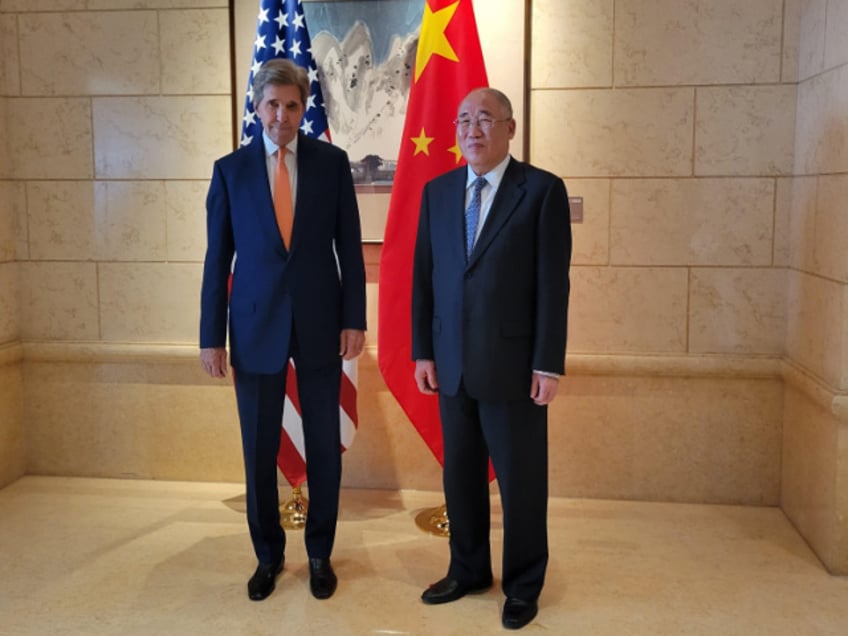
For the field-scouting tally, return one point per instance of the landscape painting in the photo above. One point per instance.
(365, 53)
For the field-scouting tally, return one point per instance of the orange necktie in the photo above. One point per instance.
(283, 198)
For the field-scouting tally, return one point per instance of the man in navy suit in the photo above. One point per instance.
(489, 315)
(300, 296)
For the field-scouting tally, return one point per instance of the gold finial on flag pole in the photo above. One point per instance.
(293, 511)
(434, 520)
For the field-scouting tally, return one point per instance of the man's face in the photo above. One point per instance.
(484, 142)
(280, 112)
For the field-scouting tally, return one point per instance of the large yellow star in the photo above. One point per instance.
(432, 40)
(422, 143)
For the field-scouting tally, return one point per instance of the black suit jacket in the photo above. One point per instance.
(492, 321)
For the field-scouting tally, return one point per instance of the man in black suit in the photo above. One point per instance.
(285, 206)
(489, 316)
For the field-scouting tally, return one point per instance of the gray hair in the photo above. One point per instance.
(280, 72)
(499, 96)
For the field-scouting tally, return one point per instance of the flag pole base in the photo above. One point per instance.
(293, 511)
(434, 521)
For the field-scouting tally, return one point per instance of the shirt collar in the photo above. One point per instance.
(493, 177)
(271, 148)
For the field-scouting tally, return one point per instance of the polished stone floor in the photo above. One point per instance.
(91, 556)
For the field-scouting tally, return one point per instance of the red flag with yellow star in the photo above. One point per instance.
(448, 65)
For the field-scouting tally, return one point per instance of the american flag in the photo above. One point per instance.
(281, 32)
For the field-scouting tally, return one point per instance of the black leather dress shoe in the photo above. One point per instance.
(262, 583)
(517, 613)
(322, 579)
(449, 589)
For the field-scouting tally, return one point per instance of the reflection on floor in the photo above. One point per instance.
(89, 556)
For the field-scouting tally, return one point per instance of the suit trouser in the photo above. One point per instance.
(261, 399)
(514, 434)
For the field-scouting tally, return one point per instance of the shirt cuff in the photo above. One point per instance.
(548, 374)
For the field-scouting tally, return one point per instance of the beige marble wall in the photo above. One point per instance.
(651, 435)
(12, 211)
(137, 94)
(684, 112)
(12, 437)
(815, 477)
(815, 462)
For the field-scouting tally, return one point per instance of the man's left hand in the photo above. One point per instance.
(351, 343)
(543, 388)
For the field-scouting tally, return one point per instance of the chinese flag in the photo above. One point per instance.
(448, 65)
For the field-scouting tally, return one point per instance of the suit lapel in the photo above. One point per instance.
(509, 195)
(257, 177)
(454, 208)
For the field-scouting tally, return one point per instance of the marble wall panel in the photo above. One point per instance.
(90, 53)
(61, 223)
(154, 421)
(150, 302)
(671, 42)
(11, 202)
(21, 6)
(601, 133)
(572, 43)
(692, 222)
(619, 437)
(831, 228)
(812, 462)
(155, 4)
(591, 236)
(836, 34)
(19, 204)
(639, 438)
(10, 79)
(791, 40)
(191, 46)
(185, 205)
(160, 137)
(5, 163)
(9, 308)
(739, 311)
(821, 133)
(633, 310)
(816, 333)
(745, 130)
(812, 29)
(802, 223)
(56, 144)
(130, 220)
(782, 222)
(59, 301)
(12, 437)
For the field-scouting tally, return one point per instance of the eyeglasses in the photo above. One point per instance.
(483, 123)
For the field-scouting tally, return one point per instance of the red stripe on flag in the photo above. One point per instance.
(347, 399)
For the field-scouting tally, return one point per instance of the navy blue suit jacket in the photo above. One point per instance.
(275, 290)
(492, 321)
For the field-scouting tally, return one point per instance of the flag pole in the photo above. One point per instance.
(293, 511)
(434, 521)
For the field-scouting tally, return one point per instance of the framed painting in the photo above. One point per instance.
(365, 53)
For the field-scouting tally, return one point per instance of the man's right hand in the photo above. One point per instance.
(425, 377)
(214, 361)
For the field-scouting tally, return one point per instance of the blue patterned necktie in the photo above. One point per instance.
(472, 215)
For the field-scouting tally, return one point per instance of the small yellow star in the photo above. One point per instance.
(422, 143)
(432, 40)
(455, 150)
